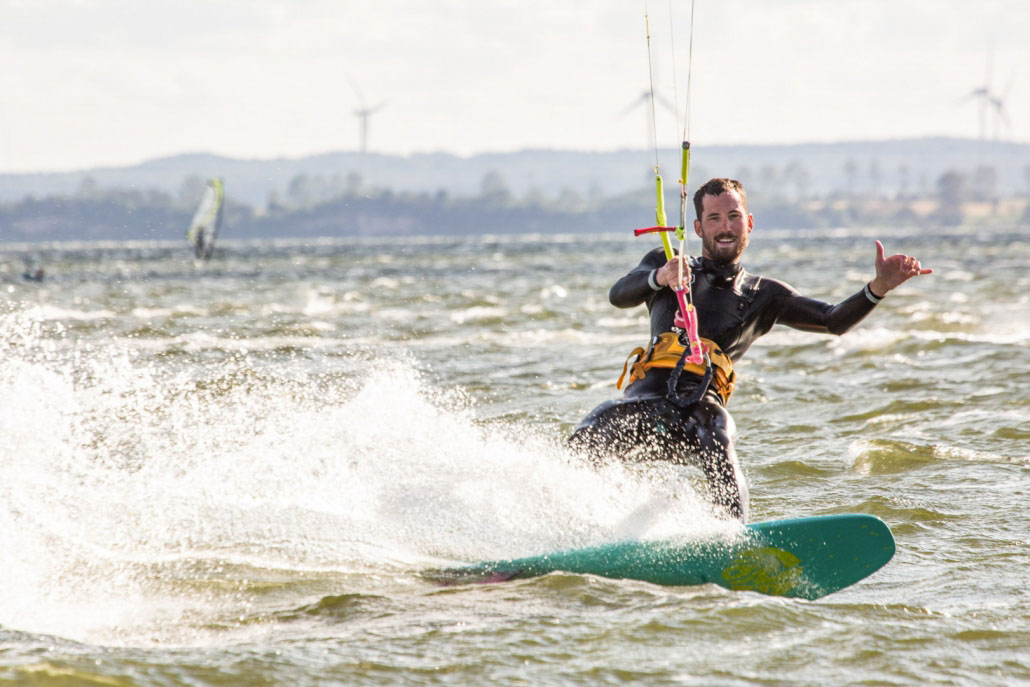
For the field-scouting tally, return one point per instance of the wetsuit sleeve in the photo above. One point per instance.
(811, 315)
(634, 289)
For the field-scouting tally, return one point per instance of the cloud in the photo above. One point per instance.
(117, 81)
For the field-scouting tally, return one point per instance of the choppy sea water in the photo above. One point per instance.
(233, 473)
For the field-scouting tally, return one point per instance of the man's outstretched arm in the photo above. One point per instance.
(812, 315)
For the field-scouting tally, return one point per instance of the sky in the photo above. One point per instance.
(91, 83)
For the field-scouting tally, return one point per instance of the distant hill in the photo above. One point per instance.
(330, 204)
(803, 170)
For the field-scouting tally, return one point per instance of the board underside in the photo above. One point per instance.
(803, 558)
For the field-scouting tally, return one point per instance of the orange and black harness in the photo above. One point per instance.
(666, 351)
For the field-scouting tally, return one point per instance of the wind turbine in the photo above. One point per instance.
(1001, 117)
(990, 103)
(363, 114)
(643, 101)
(650, 100)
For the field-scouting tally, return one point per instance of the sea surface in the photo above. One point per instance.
(233, 473)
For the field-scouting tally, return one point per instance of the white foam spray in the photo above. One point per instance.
(124, 473)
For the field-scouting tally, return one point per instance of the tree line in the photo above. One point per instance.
(342, 205)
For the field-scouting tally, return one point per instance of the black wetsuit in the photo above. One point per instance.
(733, 309)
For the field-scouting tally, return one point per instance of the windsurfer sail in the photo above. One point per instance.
(207, 220)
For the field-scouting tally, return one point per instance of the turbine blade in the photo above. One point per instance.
(664, 102)
(641, 100)
(357, 91)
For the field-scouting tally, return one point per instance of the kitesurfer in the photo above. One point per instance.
(676, 411)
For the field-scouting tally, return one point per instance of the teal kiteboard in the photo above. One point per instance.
(804, 558)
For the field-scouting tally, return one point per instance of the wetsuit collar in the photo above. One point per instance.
(727, 272)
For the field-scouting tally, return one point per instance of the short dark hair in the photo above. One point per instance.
(716, 187)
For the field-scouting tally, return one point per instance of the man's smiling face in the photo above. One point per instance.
(724, 227)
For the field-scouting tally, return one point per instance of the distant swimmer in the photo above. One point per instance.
(676, 410)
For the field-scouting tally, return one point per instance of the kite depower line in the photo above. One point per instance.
(695, 353)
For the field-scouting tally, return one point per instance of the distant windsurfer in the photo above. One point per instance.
(207, 220)
(686, 421)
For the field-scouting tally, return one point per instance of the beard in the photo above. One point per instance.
(723, 255)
